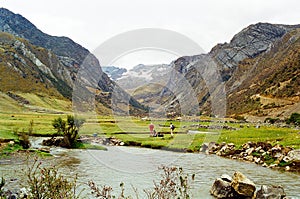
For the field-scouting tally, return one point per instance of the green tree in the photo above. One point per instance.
(69, 129)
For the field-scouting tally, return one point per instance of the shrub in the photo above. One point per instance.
(69, 129)
(294, 119)
(46, 182)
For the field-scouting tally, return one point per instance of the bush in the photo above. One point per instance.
(294, 119)
(69, 129)
(43, 183)
(272, 120)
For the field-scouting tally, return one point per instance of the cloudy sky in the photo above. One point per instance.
(207, 23)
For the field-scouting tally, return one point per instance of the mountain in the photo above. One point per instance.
(268, 85)
(142, 75)
(143, 82)
(113, 72)
(256, 73)
(60, 64)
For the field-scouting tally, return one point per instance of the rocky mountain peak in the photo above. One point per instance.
(249, 43)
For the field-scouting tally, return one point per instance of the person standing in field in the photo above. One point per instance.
(172, 127)
(151, 128)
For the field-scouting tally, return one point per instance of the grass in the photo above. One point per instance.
(10, 148)
(132, 130)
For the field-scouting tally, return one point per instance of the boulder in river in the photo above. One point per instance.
(270, 192)
(222, 189)
(242, 185)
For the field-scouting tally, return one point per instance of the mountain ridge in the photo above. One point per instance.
(77, 66)
(202, 82)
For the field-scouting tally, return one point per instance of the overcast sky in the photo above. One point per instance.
(92, 22)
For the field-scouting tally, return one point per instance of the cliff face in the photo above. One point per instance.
(268, 85)
(62, 62)
(255, 55)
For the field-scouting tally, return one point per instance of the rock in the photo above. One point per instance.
(249, 158)
(264, 165)
(294, 155)
(242, 185)
(272, 165)
(286, 150)
(226, 178)
(287, 168)
(258, 149)
(212, 146)
(270, 192)
(249, 151)
(287, 159)
(204, 147)
(231, 145)
(222, 189)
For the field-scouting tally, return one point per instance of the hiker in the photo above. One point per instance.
(172, 127)
(151, 127)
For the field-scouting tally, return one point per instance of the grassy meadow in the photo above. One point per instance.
(132, 130)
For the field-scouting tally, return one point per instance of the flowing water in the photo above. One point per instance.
(138, 167)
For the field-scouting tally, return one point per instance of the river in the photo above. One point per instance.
(138, 167)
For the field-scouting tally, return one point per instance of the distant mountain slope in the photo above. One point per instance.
(142, 75)
(74, 64)
(114, 72)
(253, 43)
(261, 62)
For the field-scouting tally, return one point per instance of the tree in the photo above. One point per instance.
(69, 129)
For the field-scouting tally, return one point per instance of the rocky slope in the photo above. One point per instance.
(62, 63)
(270, 83)
(257, 60)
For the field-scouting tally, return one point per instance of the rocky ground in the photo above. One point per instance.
(261, 153)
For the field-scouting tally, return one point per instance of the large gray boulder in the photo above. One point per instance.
(222, 189)
(242, 185)
(270, 192)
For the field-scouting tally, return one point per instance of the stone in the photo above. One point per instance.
(264, 165)
(272, 165)
(249, 151)
(286, 150)
(287, 168)
(287, 159)
(204, 147)
(249, 158)
(212, 146)
(242, 185)
(222, 189)
(258, 149)
(270, 192)
(226, 177)
(230, 145)
(294, 155)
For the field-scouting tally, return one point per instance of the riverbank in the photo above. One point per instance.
(261, 153)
